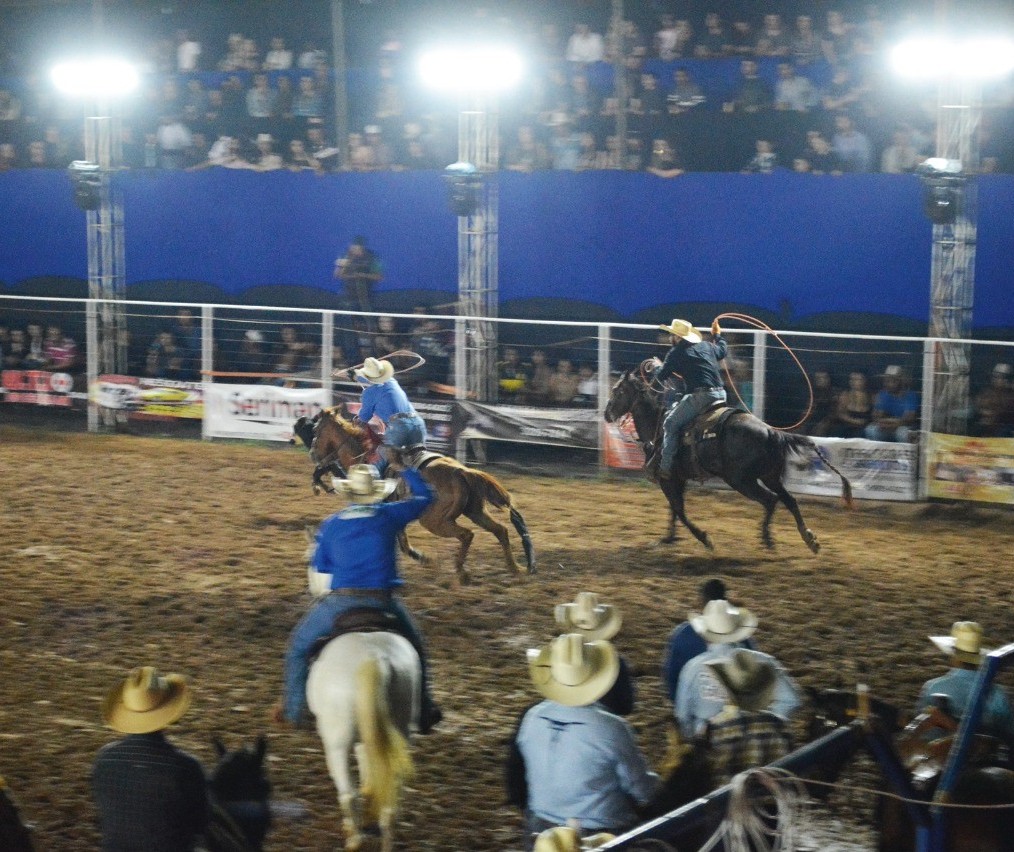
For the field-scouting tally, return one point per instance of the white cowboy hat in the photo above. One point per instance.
(375, 371)
(964, 643)
(681, 328)
(146, 702)
(748, 678)
(563, 838)
(363, 484)
(264, 137)
(572, 671)
(588, 617)
(893, 370)
(1002, 370)
(721, 622)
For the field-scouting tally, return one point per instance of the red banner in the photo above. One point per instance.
(37, 387)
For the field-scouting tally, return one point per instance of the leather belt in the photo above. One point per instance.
(363, 593)
(709, 390)
(400, 415)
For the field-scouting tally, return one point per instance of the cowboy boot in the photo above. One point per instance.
(651, 466)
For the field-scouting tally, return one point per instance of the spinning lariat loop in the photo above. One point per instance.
(398, 353)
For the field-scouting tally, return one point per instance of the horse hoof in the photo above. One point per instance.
(669, 539)
(811, 541)
(707, 542)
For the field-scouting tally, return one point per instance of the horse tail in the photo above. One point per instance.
(790, 443)
(526, 539)
(488, 488)
(385, 750)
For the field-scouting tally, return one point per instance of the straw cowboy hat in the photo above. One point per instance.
(572, 671)
(964, 643)
(563, 838)
(748, 678)
(146, 702)
(363, 484)
(721, 622)
(376, 372)
(681, 328)
(588, 617)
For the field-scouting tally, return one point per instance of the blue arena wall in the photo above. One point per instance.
(626, 241)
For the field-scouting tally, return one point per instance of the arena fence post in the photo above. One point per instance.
(760, 359)
(207, 359)
(92, 362)
(604, 375)
(327, 353)
(926, 416)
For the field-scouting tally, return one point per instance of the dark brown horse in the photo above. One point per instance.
(745, 452)
(460, 491)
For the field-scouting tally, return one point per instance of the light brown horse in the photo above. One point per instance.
(460, 490)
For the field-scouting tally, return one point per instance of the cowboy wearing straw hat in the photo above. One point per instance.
(699, 694)
(964, 648)
(149, 794)
(385, 399)
(696, 361)
(357, 549)
(579, 763)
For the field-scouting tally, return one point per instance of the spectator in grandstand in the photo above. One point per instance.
(842, 93)
(745, 734)
(820, 156)
(648, 109)
(852, 147)
(59, 150)
(539, 379)
(299, 159)
(586, 106)
(291, 352)
(570, 757)
(186, 331)
(252, 355)
(250, 56)
(35, 354)
(188, 52)
(226, 152)
(311, 57)
(10, 115)
(320, 149)
(308, 103)
(429, 339)
(713, 40)
(895, 409)
(512, 377)
(754, 93)
(8, 157)
(994, 405)
(278, 57)
(267, 160)
(666, 41)
(381, 157)
(173, 138)
(60, 350)
(806, 44)
(164, 359)
(823, 415)
(565, 143)
(793, 91)
(585, 47)
(563, 383)
(37, 156)
(388, 339)
(772, 40)
(147, 791)
(261, 101)
(361, 271)
(741, 38)
(764, 160)
(837, 39)
(699, 694)
(854, 408)
(527, 154)
(901, 156)
(664, 161)
(234, 57)
(964, 648)
(587, 386)
(15, 350)
(685, 93)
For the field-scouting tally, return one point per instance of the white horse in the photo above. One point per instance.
(365, 690)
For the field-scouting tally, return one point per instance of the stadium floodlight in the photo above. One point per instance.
(489, 68)
(971, 58)
(96, 78)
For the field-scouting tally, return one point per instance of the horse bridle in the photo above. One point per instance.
(331, 459)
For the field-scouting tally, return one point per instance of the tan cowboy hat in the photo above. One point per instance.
(563, 838)
(588, 617)
(376, 372)
(681, 328)
(572, 671)
(146, 702)
(721, 622)
(748, 678)
(363, 484)
(964, 643)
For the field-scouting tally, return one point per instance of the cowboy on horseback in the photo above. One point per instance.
(385, 399)
(696, 361)
(357, 547)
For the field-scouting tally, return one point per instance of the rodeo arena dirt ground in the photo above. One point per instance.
(119, 551)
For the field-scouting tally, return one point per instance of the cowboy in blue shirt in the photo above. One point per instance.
(696, 361)
(385, 399)
(357, 547)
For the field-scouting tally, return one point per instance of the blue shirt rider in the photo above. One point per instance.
(385, 399)
(358, 548)
(696, 361)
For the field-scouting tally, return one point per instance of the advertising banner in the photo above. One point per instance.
(877, 470)
(963, 468)
(258, 412)
(37, 387)
(562, 427)
(622, 448)
(149, 399)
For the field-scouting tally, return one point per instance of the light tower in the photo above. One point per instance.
(477, 75)
(959, 68)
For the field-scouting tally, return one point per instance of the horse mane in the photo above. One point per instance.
(343, 423)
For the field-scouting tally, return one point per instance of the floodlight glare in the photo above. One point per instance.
(484, 69)
(96, 78)
(974, 58)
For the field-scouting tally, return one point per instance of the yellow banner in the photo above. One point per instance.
(979, 469)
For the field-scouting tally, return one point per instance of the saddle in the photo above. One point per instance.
(700, 432)
(418, 457)
(360, 619)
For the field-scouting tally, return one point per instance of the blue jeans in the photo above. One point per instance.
(317, 624)
(680, 415)
(901, 435)
(405, 430)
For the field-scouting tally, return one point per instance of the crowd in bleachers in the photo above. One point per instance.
(756, 94)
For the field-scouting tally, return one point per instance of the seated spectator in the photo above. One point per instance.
(539, 379)
(820, 156)
(666, 40)
(427, 337)
(381, 157)
(852, 147)
(320, 149)
(290, 352)
(252, 356)
(173, 138)
(387, 338)
(741, 39)
(60, 351)
(764, 160)
(308, 102)
(261, 101)
(149, 793)
(745, 734)
(713, 40)
(825, 404)
(15, 350)
(685, 643)
(186, 331)
(563, 383)
(35, 355)
(267, 160)
(805, 43)
(685, 94)
(587, 386)
(38, 157)
(664, 162)
(584, 46)
(188, 52)
(754, 93)
(964, 648)
(698, 692)
(512, 377)
(299, 158)
(311, 57)
(8, 157)
(164, 359)
(994, 406)
(842, 94)
(527, 154)
(793, 91)
(565, 143)
(772, 40)
(279, 57)
(572, 758)
(854, 408)
(837, 39)
(901, 156)
(895, 409)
